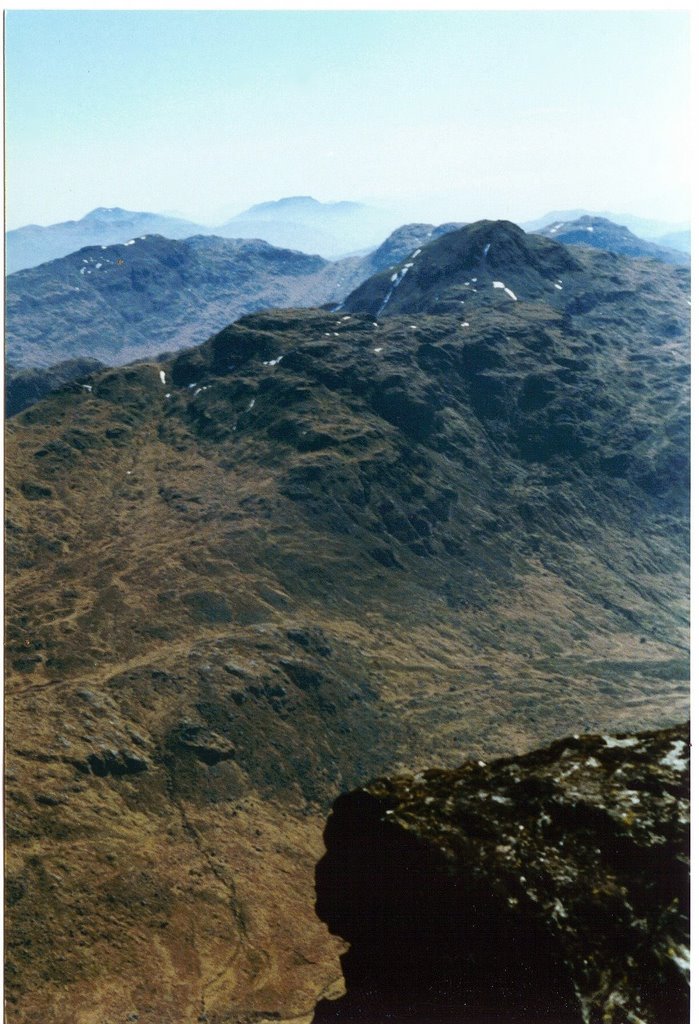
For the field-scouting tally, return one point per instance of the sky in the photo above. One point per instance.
(451, 115)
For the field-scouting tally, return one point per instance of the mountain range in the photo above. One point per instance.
(31, 245)
(331, 230)
(122, 302)
(447, 521)
(297, 222)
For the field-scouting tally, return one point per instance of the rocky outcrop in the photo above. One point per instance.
(549, 887)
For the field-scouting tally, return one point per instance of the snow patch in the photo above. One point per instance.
(416, 253)
(395, 281)
(132, 241)
(508, 291)
(161, 374)
(675, 757)
(613, 741)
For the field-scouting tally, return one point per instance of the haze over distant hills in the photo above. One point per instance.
(301, 222)
(31, 245)
(122, 302)
(331, 230)
(646, 228)
(601, 233)
(298, 222)
(321, 546)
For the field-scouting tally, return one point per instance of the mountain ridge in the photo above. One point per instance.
(602, 233)
(148, 294)
(305, 553)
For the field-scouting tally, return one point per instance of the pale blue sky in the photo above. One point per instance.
(444, 115)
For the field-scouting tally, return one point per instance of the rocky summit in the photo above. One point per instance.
(550, 887)
(319, 548)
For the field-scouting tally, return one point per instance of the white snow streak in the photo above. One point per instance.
(508, 291)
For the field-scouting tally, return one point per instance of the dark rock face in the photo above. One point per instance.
(549, 887)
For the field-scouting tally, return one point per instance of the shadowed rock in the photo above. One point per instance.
(550, 887)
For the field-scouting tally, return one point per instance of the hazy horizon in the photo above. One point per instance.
(456, 115)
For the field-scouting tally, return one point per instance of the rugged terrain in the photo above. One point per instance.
(34, 244)
(601, 233)
(151, 294)
(321, 547)
(551, 887)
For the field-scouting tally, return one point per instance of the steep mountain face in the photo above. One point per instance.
(553, 886)
(301, 222)
(601, 233)
(31, 245)
(25, 387)
(120, 303)
(310, 551)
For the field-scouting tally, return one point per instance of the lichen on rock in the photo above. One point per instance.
(548, 887)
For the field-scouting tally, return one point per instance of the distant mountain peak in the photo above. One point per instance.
(602, 233)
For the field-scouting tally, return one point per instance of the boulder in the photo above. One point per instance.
(551, 887)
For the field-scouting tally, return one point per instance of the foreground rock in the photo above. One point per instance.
(550, 887)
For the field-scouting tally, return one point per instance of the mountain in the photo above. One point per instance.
(314, 550)
(119, 303)
(25, 387)
(124, 302)
(553, 886)
(31, 245)
(681, 240)
(301, 222)
(495, 264)
(401, 242)
(603, 234)
(644, 227)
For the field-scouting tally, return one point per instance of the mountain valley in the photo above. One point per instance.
(446, 521)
